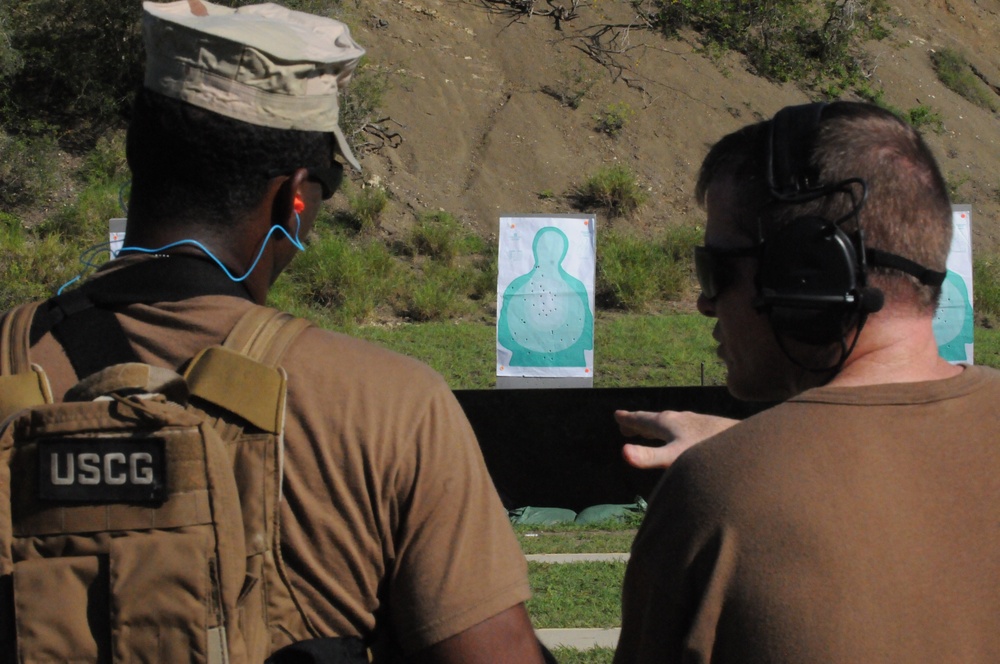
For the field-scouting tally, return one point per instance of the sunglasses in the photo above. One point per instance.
(714, 267)
(328, 177)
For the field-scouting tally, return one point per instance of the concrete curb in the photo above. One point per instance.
(576, 557)
(581, 639)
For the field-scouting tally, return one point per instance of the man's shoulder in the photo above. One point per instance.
(319, 353)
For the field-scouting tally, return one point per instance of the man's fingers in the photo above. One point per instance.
(645, 458)
(641, 423)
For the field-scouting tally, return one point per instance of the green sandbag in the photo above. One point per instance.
(603, 513)
(541, 516)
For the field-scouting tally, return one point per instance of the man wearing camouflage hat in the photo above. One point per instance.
(390, 528)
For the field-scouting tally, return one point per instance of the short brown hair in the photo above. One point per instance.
(907, 212)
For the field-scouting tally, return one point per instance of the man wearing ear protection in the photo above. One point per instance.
(390, 528)
(859, 519)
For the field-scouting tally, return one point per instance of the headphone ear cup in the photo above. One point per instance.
(807, 281)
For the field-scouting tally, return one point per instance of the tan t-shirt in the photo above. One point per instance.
(846, 525)
(390, 521)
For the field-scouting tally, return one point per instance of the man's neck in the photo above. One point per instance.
(235, 248)
(897, 345)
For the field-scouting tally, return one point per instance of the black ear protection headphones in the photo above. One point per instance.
(812, 278)
(812, 275)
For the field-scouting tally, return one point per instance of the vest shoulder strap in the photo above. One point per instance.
(14, 334)
(264, 334)
(21, 384)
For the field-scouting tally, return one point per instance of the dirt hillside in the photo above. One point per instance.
(481, 101)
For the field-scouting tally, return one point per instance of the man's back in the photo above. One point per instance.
(845, 525)
(388, 513)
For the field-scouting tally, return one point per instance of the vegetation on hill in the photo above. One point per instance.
(68, 70)
(813, 43)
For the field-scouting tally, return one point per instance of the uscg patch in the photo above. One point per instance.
(102, 471)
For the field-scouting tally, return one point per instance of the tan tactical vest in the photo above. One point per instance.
(139, 517)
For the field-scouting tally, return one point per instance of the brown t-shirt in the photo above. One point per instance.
(390, 523)
(846, 525)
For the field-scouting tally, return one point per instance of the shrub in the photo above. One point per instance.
(10, 60)
(634, 272)
(34, 268)
(613, 118)
(28, 169)
(11, 231)
(439, 294)
(924, 116)
(350, 279)
(441, 237)
(571, 86)
(783, 40)
(954, 71)
(613, 188)
(86, 220)
(368, 205)
(106, 162)
(986, 285)
(484, 281)
(919, 117)
(364, 208)
(77, 65)
(954, 182)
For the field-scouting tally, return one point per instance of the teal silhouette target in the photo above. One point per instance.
(545, 319)
(954, 322)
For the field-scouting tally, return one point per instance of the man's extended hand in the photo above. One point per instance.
(680, 430)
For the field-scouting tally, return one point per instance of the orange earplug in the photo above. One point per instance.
(298, 204)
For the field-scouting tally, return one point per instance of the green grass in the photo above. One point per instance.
(656, 350)
(589, 540)
(586, 594)
(34, 269)
(987, 347)
(592, 656)
(631, 351)
(464, 354)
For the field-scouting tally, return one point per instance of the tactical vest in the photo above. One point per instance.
(139, 516)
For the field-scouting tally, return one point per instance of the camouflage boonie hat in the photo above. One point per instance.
(262, 64)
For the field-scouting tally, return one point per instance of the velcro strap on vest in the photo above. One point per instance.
(21, 391)
(242, 386)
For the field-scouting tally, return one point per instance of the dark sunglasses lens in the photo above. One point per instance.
(328, 178)
(707, 269)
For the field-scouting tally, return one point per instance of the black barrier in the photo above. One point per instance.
(562, 447)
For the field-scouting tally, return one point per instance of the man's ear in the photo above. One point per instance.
(287, 200)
